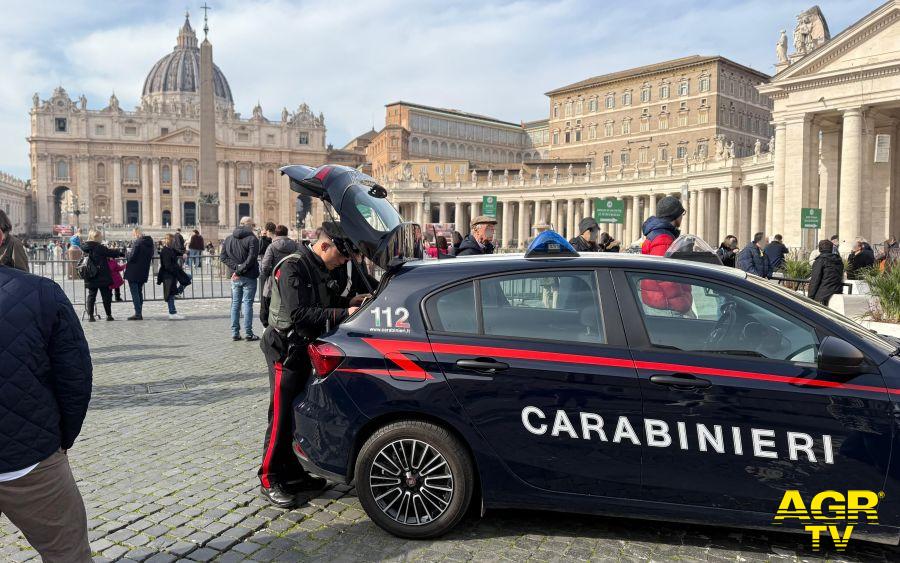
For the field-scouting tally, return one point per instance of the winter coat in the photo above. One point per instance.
(581, 245)
(170, 274)
(280, 247)
(12, 253)
(856, 262)
(775, 252)
(137, 268)
(240, 251)
(264, 243)
(98, 254)
(827, 277)
(753, 261)
(178, 244)
(196, 242)
(45, 384)
(115, 271)
(659, 235)
(726, 254)
(348, 273)
(470, 247)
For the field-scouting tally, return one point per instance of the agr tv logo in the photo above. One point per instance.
(830, 513)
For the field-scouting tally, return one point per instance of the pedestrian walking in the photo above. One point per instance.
(302, 308)
(115, 272)
(479, 241)
(42, 407)
(281, 247)
(195, 249)
(827, 276)
(660, 231)
(587, 240)
(752, 258)
(171, 275)
(775, 252)
(137, 270)
(727, 251)
(179, 247)
(12, 251)
(240, 253)
(100, 277)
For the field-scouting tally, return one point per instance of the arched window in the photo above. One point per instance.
(555, 110)
(62, 170)
(270, 178)
(190, 175)
(414, 146)
(445, 151)
(434, 148)
(610, 101)
(166, 218)
(131, 172)
(101, 172)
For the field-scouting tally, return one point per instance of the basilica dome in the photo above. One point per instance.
(179, 71)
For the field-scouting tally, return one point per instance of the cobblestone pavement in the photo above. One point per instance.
(167, 466)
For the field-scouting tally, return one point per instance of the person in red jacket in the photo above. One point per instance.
(660, 231)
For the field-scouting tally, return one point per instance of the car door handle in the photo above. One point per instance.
(482, 365)
(680, 381)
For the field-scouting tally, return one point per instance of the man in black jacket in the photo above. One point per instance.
(239, 252)
(775, 251)
(302, 308)
(827, 276)
(137, 270)
(587, 240)
(45, 388)
(480, 240)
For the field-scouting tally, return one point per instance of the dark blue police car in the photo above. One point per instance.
(616, 384)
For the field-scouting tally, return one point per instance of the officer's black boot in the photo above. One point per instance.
(278, 496)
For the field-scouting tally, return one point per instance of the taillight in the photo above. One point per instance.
(325, 357)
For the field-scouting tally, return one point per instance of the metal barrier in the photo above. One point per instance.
(798, 284)
(209, 279)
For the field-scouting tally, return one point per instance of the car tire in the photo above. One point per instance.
(414, 503)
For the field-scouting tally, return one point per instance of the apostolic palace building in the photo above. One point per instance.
(744, 150)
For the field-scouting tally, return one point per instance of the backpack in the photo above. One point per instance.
(86, 268)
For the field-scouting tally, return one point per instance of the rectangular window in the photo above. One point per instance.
(131, 130)
(303, 138)
(681, 151)
(645, 95)
(270, 139)
(623, 158)
(626, 99)
(608, 129)
(61, 125)
(610, 102)
(99, 129)
(683, 119)
(163, 130)
(683, 89)
(243, 137)
(556, 111)
(663, 154)
(524, 305)
(626, 126)
(592, 105)
(645, 124)
(607, 160)
(664, 92)
(642, 155)
(703, 118)
(704, 84)
(568, 136)
(664, 122)
(578, 135)
(556, 137)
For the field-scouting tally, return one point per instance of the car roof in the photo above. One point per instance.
(453, 268)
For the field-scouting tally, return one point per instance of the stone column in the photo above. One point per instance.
(829, 157)
(849, 226)
(554, 214)
(442, 212)
(230, 194)
(723, 214)
(117, 192)
(523, 223)
(778, 194)
(259, 210)
(733, 211)
(457, 217)
(157, 193)
(798, 177)
(701, 219)
(223, 190)
(507, 231)
(570, 218)
(755, 225)
(84, 186)
(651, 211)
(745, 213)
(769, 225)
(629, 219)
(146, 205)
(176, 194)
(638, 217)
(419, 212)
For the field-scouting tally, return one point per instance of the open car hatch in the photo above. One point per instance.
(372, 224)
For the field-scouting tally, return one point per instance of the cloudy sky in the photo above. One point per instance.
(349, 58)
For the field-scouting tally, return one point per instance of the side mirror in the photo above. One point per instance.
(839, 356)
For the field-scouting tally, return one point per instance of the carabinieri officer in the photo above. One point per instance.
(302, 308)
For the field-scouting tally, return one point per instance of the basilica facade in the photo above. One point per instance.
(120, 168)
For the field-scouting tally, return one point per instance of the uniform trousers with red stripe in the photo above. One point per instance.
(279, 464)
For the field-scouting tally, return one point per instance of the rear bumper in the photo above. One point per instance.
(326, 422)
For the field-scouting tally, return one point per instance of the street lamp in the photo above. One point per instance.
(76, 209)
(103, 221)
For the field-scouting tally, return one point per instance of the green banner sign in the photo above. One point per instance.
(489, 205)
(609, 211)
(810, 218)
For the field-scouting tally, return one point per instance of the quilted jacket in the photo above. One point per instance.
(670, 296)
(45, 370)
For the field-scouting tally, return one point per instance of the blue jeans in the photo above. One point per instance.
(171, 303)
(242, 291)
(194, 257)
(137, 296)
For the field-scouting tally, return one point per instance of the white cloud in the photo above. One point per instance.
(347, 59)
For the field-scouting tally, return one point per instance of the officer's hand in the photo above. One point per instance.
(235, 277)
(352, 310)
(360, 299)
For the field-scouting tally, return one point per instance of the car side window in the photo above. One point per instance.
(453, 310)
(547, 305)
(698, 316)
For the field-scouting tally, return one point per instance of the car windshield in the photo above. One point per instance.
(377, 211)
(849, 324)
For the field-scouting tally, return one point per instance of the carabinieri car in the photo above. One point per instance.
(625, 385)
